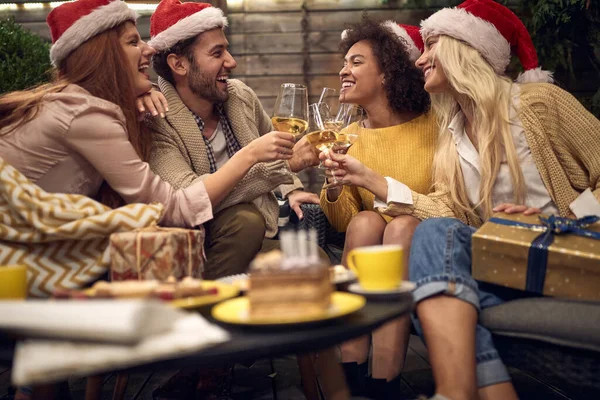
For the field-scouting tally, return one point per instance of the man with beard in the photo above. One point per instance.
(209, 118)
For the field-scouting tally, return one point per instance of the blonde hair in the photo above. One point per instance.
(487, 98)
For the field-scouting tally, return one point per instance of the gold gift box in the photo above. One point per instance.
(500, 256)
(157, 253)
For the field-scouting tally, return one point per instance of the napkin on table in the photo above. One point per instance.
(123, 321)
(174, 333)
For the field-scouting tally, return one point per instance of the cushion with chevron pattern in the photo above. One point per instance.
(61, 238)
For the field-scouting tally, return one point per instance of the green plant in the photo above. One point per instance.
(24, 57)
(566, 35)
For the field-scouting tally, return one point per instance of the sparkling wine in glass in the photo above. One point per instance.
(291, 110)
(344, 142)
(319, 134)
(347, 115)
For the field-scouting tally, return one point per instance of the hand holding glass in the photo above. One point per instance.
(346, 116)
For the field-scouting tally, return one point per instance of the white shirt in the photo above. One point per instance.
(536, 194)
(219, 145)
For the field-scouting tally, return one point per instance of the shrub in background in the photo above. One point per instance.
(24, 58)
(566, 34)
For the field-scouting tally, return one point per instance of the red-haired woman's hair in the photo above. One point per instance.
(100, 66)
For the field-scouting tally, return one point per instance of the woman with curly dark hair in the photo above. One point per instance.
(397, 139)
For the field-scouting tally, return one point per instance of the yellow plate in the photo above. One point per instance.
(225, 292)
(237, 311)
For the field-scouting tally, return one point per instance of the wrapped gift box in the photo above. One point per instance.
(157, 253)
(518, 252)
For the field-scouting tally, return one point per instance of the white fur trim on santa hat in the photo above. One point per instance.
(207, 19)
(413, 51)
(536, 75)
(478, 33)
(101, 19)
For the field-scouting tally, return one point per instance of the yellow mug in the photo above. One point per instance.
(13, 282)
(377, 267)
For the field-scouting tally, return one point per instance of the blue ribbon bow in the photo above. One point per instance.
(538, 252)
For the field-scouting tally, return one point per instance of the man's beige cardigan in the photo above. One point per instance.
(564, 139)
(179, 153)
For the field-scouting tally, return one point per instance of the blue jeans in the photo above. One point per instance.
(440, 263)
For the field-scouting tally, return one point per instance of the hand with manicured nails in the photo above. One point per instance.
(153, 102)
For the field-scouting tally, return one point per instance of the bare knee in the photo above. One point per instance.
(400, 230)
(365, 228)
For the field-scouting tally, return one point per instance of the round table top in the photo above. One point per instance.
(249, 343)
(252, 343)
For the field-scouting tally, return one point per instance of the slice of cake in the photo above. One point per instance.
(277, 292)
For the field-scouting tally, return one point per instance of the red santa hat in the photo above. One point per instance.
(408, 33)
(73, 23)
(491, 29)
(174, 21)
(411, 36)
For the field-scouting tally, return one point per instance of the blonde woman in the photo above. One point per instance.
(503, 147)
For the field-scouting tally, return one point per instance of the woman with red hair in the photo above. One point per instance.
(81, 134)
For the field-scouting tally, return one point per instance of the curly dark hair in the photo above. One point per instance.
(182, 48)
(404, 81)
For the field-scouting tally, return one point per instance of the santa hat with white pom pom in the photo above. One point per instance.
(491, 29)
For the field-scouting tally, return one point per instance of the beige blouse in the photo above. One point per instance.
(77, 140)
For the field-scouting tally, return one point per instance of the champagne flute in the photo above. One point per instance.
(330, 107)
(330, 102)
(320, 136)
(347, 115)
(291, 110)
(350, 113)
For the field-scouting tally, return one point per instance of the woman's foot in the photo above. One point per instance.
(381, 389)
(356, 377)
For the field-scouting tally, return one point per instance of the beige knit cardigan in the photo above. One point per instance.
(564, 139)
(179, 152)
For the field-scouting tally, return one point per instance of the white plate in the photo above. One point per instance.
(239, 281)
(405, 287)
(233, 278)
(345, 277)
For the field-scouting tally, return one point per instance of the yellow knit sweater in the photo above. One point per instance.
(564, 139)
(403, 152)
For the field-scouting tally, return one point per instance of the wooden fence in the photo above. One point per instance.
(276, 41)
